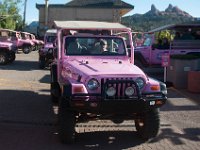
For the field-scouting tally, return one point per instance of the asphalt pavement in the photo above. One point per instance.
(28, 119)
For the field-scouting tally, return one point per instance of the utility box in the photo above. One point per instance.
(194, 81)
(177, 72)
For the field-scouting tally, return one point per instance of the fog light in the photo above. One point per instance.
(129, 91)
(111, 91)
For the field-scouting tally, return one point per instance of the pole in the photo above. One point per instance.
(46, 12)
(24, 19)
(165, 74)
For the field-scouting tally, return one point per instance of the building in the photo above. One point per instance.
(93, 10)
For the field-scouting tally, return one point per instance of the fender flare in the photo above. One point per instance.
(26, 45)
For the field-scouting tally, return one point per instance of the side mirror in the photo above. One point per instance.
(54, 44)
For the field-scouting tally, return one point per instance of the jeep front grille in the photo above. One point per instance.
(120, 84)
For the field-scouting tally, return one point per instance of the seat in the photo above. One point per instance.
(74, 48)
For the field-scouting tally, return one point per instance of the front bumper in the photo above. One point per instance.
(45, 52)
(98, 104)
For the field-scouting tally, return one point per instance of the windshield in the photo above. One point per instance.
(94, 46)
(50, 39)
(23, 36)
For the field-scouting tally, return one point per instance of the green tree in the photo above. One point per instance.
(9, 14)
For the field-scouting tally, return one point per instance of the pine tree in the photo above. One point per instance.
(9, 14)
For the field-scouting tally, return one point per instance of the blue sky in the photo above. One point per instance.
(141, 6)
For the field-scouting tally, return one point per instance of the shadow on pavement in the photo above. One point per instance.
(21, 65)
(175, 95)
(27, 121)
(45, 79)
(25, 107)
(176, 138)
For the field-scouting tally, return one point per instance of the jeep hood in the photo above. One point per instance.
(103, 67)
(5, 44)
(49, 45)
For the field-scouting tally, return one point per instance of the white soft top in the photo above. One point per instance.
(174, 26)
(89, 25)
(1, 29)
(51, 31)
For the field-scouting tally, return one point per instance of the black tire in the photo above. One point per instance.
(148, 124)
(55, 88)
(4, 58)
(66, 123)
(42, 62)
(55, 92)
(12, 57)
(26, 49)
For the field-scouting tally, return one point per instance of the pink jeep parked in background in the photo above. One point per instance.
(172, 39)
(38, 43)
(27, 44)
(94, 78)
(46, 55)
(16, 38)
(7, 52)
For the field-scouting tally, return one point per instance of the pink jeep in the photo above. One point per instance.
(35, 41)
(16, 38)
(26, 42)
(94, 78)
(7, 52)
(172, 39)
(46, 55)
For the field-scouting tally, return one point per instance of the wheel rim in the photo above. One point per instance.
(26, 50)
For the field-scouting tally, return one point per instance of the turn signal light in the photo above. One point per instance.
(79, 89)
(155, 88)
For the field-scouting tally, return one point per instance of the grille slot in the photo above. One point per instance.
(120, 85)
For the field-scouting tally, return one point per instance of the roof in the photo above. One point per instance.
(89, 25)
(51, 31)
(91, 4)
(1, 29)
(174, 26)
(100, 4)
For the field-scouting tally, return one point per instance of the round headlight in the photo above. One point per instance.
(129, 91)
(93, 84)
(111, 91)
(140, 82)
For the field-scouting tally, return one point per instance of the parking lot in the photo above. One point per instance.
(28, 119)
